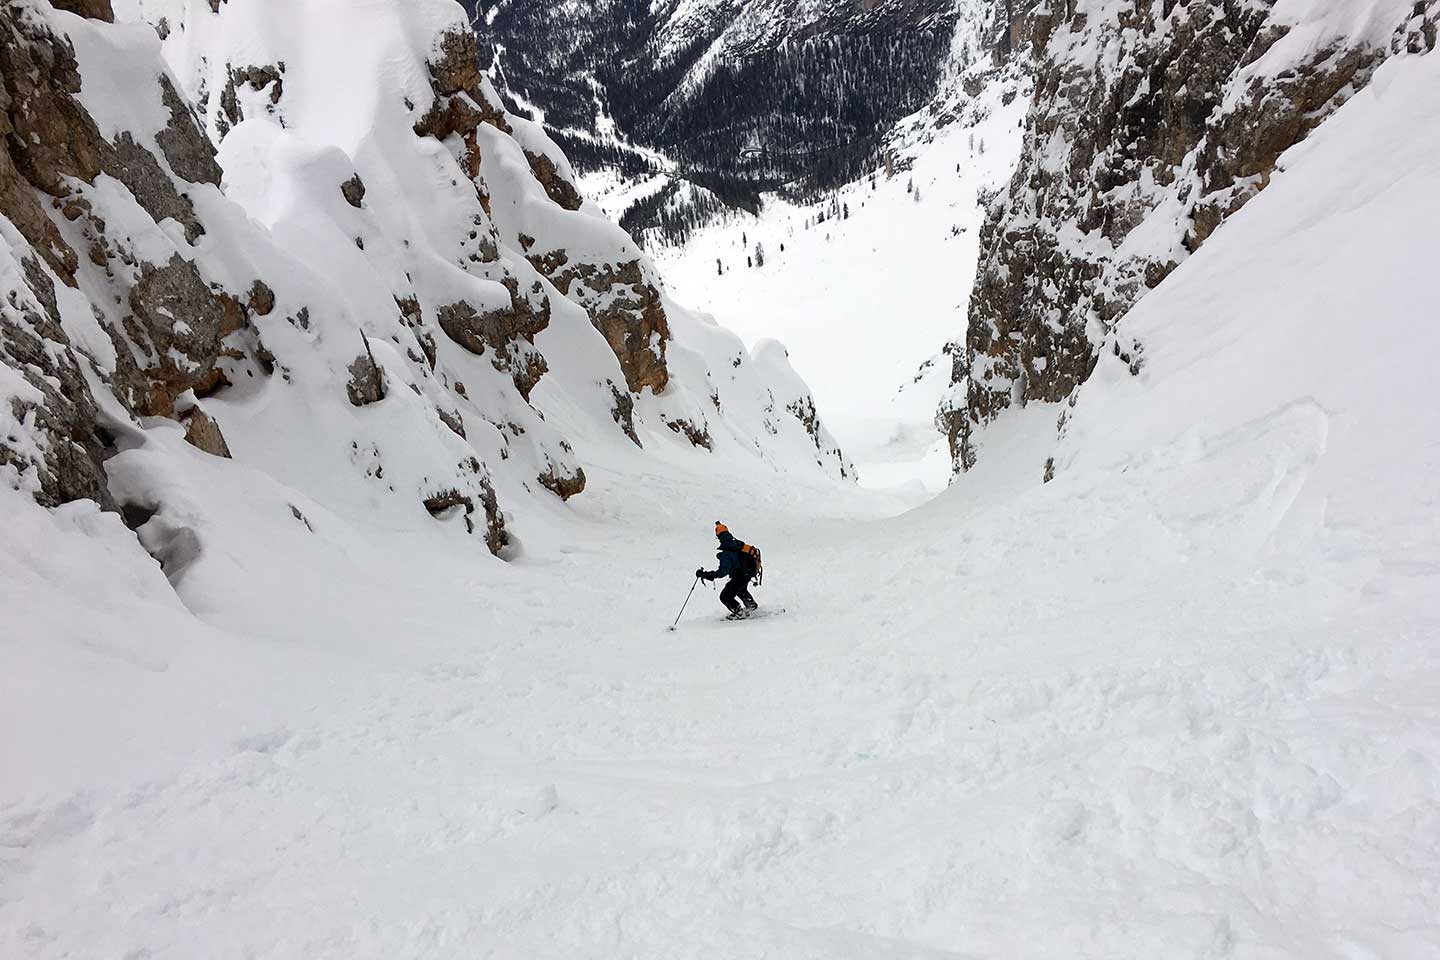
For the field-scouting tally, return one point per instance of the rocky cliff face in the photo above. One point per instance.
(1151, 123)
(157, 327)
(369, 286)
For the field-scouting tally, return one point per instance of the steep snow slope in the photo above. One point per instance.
(1178, 702)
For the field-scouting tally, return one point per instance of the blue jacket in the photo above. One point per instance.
(731, 563)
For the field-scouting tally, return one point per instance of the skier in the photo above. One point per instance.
(737, 563)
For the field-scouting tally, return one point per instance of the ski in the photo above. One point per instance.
(760, 614)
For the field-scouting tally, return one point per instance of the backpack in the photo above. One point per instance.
(751, 553)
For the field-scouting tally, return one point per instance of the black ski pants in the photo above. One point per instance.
(737, 589)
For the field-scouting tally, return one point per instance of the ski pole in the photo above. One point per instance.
(683, 605)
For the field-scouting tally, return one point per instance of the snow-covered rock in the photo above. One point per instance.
(1150, 125)
(305, 237)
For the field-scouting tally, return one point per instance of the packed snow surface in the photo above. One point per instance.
(1181, 701)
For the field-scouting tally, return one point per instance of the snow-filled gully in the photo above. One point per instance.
(1181, 701)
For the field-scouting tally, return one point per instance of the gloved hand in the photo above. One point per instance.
(700, 574)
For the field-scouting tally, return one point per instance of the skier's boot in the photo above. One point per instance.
(740, 614)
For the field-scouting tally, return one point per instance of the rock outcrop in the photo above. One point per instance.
(624, 305)
(557, 187)
(699, 436)
(48, 138)
(164, 321)
(353, 190)
(561, 482)
(506, 334)
(367, 382)
(245, 82)
(203, 433)
(461, 102)
(94, 9)
(59, 455)
(476, 491)
(178, 323)
(804, 410)
(620, 295)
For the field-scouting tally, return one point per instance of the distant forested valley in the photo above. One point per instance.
(799, 112)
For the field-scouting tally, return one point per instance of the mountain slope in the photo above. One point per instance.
(1150, 126)
(733, 98)
(390, 304)
(1179, 701)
